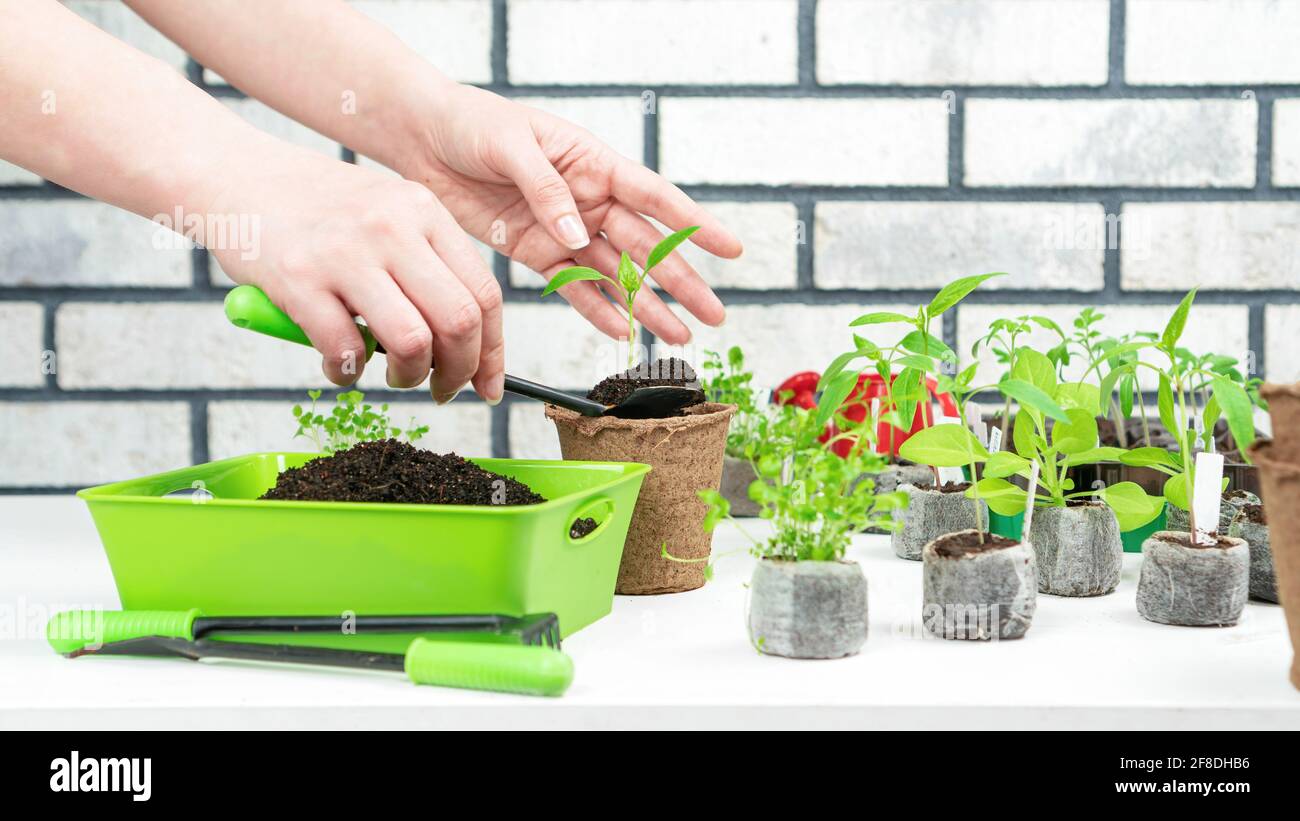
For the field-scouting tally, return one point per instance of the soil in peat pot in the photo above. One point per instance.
(396, 472)
(614, 389)
(952, 487)
(1254, 514)
(968, 542)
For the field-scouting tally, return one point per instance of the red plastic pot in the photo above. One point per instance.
(800, 390)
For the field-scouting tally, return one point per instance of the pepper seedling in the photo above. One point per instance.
(628, 280)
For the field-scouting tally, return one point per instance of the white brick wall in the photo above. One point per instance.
(783, 339)
(22, 339)
(117, 346)
(11, 174)
(79, 242)
(757, 125)
(69, 444)
(884, 245)
(770, 232)
(782, 141)
(454, 35)
(1158, 143)
(1212, 42)
(1236, 245)
(1286, 143)
(118, 20)
(1210, 329)
(962, 42)
(239, 427)
(653, 42)
(532, 435)
(1282, 343)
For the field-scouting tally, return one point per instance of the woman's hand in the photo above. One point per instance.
(549, 194)
(337, 240)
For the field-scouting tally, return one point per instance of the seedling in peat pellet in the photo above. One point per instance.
(629, 282)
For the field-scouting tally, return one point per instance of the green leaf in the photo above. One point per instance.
(1165, 403)
(1079, 395)
(667, 245)
(956, 291)
(1133, 507)
(919, 361)
(1150, 457)
(627, 275)
(879, 318)
(1024, 434)
(568, 275)
(1076, 435)
(833, 396)
(1036, 369)
(1108, 382)
(837, 366)
(1127, 392)
(1210, 416)
(1003, 498)
(1031, 396)
(924, 343)
(1004, 463)
(1238, 409)
(1092, 456)
(1045, 322)
(1177, 491)
(719, 508)
(948, 445)
(1177, 322)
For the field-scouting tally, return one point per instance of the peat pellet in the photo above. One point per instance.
(1078, 549)
(808, 610)
(1178, 519)
(1251, 526)
(737, 476)
(1195, 585)
(930, 513)
(895, 476)
(978, 590)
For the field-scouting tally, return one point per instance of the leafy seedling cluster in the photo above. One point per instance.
(350, 422)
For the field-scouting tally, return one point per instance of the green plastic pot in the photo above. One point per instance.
(1008, 527)
(232, 554)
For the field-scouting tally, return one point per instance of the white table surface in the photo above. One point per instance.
(659, 662)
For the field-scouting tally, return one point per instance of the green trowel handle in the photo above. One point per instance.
(508, 668)
(74, 630)
(247, 307)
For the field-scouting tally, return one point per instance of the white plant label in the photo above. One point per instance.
(995, 440)
(1207, 496)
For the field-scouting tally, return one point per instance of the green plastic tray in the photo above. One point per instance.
(235, 555)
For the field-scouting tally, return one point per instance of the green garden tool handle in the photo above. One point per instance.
(507, 668)
(74, 630)
(247, 307)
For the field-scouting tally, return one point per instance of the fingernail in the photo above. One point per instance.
(573, 232)
(495, 390)
(446, 399)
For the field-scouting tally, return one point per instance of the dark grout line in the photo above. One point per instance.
(805, 262)
(807, 44)
(198, 431)
(500, 43)
(1264, 146)
(1117, 46)
(1255, 341)
(500, 429)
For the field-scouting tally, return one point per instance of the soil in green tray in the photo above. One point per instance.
(393, 471)
(614, 389)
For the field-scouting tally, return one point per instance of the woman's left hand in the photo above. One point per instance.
(549, 194)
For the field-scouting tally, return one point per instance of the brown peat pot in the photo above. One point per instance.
(1279, 467)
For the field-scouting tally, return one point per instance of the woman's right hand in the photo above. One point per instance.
(335, 240)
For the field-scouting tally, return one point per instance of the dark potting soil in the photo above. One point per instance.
(1234, 495)
(581, 527)
(1254, 514)
(393, 471)
(614, 389)
(952, 487)
(1185, 539)
(965, 544)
